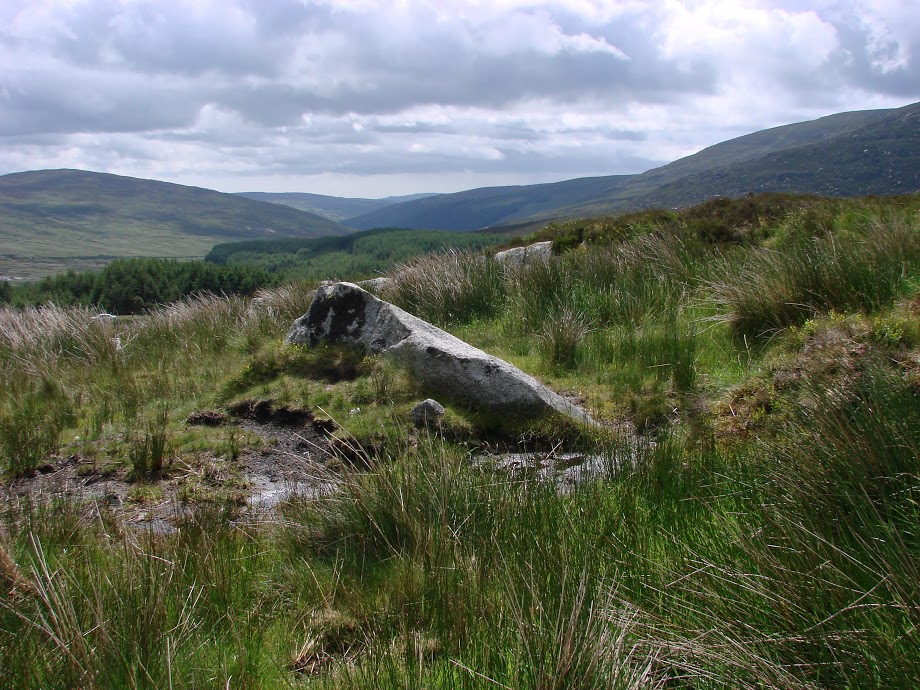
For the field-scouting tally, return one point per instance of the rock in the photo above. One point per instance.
(521, 256)
(344, 313)
(427, 413)
(374, 285)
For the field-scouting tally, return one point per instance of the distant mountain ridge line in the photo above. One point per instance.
(338, 209)
(662, 186)
(78, 213)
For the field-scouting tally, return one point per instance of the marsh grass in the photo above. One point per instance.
(450, 288)
(857, 271)
(31, 424)
(561, 338)
(782, 560)
(150, 451)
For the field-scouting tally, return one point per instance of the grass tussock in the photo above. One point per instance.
(449, 288)
(773, 289)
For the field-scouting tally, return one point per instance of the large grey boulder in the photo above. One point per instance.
(522, 256)
(344, 313)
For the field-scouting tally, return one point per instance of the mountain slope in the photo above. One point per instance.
(849, 154)
(334, 208)
(74, 213)
(487, 206)
(846, 154)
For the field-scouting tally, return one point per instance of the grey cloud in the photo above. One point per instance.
(72, 101)
(278, 86)
(853, 65)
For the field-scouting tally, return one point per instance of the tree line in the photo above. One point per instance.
(132, 286)
(361, 255)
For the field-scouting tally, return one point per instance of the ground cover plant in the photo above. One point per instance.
(750, 518)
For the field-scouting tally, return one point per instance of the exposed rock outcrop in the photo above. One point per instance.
(344, 313)
(374, 285)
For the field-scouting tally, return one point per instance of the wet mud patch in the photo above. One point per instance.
(295, 458)
(298, 460)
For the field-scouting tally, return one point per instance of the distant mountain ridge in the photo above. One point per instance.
(76, 213)
(336, 208)
(847, 154)
(487, 206)
(50, 220)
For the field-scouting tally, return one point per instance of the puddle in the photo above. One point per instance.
(266, 494)
(566, 470)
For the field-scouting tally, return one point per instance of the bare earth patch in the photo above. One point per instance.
(296, 458)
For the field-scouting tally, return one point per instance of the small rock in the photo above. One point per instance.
(427, 413)
(374, 284)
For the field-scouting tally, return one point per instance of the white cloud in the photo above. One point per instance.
(227, 93)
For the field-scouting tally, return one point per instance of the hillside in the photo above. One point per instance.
(488, 206)
(851, 154)
(334, 208)
(846, 154)
(50, 215)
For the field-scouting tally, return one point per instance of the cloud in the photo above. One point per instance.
(238, 91)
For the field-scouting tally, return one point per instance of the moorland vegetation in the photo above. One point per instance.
(750, 522)
(135, 286)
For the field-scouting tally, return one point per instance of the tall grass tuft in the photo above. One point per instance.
(31, 423)
(150, 450)
(450, 288)
(775, 289)
(561, 338)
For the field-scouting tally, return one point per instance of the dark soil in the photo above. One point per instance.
(296, 459)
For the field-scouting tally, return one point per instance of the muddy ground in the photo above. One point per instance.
(295, 456)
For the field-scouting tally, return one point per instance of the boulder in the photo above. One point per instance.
(374, 285)
(521, 256)
(427, 413)
(344, 313)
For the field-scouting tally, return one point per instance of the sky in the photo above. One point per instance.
(369, 99)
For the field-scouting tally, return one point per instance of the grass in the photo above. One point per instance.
(753, 524)
(775, 289)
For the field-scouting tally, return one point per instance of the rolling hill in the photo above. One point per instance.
(53, 219)
(847, 154)
(336, 208)
(487, 206)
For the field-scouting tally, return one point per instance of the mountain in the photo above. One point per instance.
(48, 215)
(488, 206)
(338, 209)
(847, 154)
